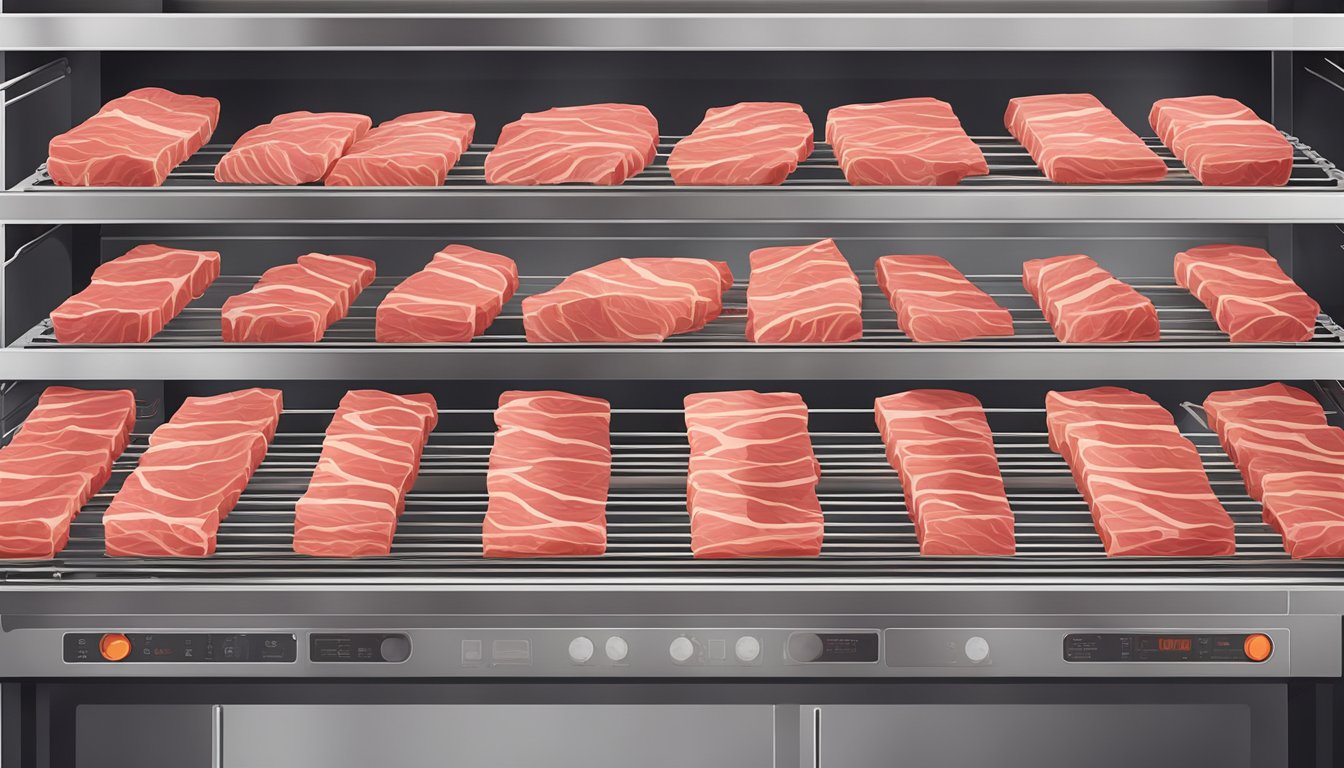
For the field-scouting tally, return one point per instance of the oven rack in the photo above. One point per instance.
(1190, 338)
(867, 531)
(698, 25)
(1015, 189)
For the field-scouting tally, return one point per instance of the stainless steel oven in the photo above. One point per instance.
(866, 657)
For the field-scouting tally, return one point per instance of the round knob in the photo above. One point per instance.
(395, 648)
(114, 647)
(580, 649)
(977, 649)
(617, 648)
(681, 649)
(805, 647)
(747, 648)
(1258, 647)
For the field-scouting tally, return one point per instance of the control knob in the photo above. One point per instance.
(747, 648)
(395, 648)
(977, 649)
(681, 650)
(580, 649)
(617, 648)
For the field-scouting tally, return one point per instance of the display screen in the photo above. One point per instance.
(1173, 644)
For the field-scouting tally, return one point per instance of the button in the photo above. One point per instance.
(805, 647)
(617, 648)
(114, 647)
(471, 651)
(747, 648)
(681, 649)
(580, 649)
(1258, 647)
(718, 649)
(977, 649)
(396, 648)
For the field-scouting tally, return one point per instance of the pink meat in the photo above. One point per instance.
(1143, 481)
(751, 482)
(132, 297)
(593, 144)
(1248, 293)
(907, 142)
(369, 462)
(753, 143)
(454, 298)
(940, 443)
(296, 302)
(1085, 304)
(803, 295)
(294, 148)
(192, 475)
(1222, 142)
(628, 300)
(1300, 446)
(1272, 404)
(415, 150)
(60, 457)
(1308, 509)
(934, 302)
(1075, 139)
(133, 141)
(550, 468)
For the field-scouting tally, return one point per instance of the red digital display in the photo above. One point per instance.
(1173, 644)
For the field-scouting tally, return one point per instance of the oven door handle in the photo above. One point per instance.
(217, 736)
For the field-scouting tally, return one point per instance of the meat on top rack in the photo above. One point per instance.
(868, 534)
(1010, 166)
(1185, 321)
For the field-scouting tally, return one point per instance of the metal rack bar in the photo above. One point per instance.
(62, 64)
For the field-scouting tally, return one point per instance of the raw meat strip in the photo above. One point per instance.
(415, 150)
(296, 302)
(629, 300)
(192, 475)
(1273, 404)
(754, 143)
(133, 141)
(369, 462)
(1222, 142)
(1075, 139)
(751, 482)
(1144, 482)
(1085, 304)
(940, 444)
(1248, 293)
(915, 142)
(1304, 447)
(803, 295)
(294, 148)
(1308, 509)
(132, 297)
(550, 468)
(593, 144)
(934, 302)
(455, 297)
(61, 456)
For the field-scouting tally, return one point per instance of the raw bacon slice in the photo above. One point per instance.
(61, 456)
(1248, 293)
(754, 143)
(192, 475)
(454, 298)
(132, 297)
(1222, 142)
(594, 144)
(628, 300)
(550, 468)
(294, 148)
(914, 142)
(934, 302)
(415, 150)
(751, 482)
(1274, 404)
(369, 462)
(1298, 446)
(803, 295)
(1085, 304)
(133, 141)
(940, 443)
(1075, 139)
(1308, 509)
(1144, 482)
(296, 302)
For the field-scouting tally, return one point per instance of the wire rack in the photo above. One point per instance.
(1185, 321)
(1010, 166)
(867, 531)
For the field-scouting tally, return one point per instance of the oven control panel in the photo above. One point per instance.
(1112, 647)
(178, 647)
